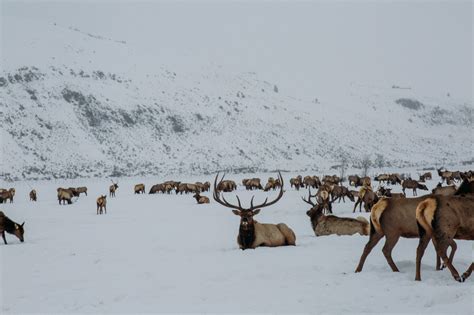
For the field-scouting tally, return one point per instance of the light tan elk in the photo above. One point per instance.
(445, 191)
(7, 195)
(446, 176)
(139, 189)
(330, 224)
(412, 184)
(272, 184)
(33, 196)
(65, 195)
(443, 219)
(81, 190)
(253, 234)
(102, 204)
(200, 199)
(113, 189)
(393, 218)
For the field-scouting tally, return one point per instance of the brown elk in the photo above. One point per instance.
(139, 189)
(340, 192)
(33, 196)
(445, 191)
(332, 179)
(443, 219)
(393, 218)
(311, 181)
(367, 197)
(7, 195)
(65, 195)
(252, 183)
(81, 190)
(353, 179)
(412, 184)
(382, 178)
(253, 234)
(297, 182)
(226, 186)
(394, 179)
(157, 188)
(113, 189)
(102, 204)
(446, 176)
(426, 176)
(330, 224)
(200, 199)
(7, 225)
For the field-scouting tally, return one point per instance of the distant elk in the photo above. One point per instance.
(367, 197)
(113, 189)
(356, 181)
(200, 199)
(412, 184)
(330, 224)
(382, 178)
(332, 179)
(81, 190)
(272, 184)
(139, 189)
(446, 176)
(297, 182)
(9, 226)
(253, 234)
(252, 183)
(33, 196)
(445, 191)
(65, 195)
(163, 188)
(340, 192)
(311, 181)
(226, 186)
(443, 219)
(426, 176)
(203, 187)
(387, 192)
(102, 204)
(7, 195)
(187, 188)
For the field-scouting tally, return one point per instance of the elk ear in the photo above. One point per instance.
(236, 212)
(22, 224)
(254, 212)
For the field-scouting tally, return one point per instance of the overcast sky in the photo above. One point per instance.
(303, 46)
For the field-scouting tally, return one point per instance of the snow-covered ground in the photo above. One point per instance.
(165, 253)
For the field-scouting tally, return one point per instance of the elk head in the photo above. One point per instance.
(19, 231)
(247, 223)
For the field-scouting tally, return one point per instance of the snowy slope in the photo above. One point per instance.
(86, 105)
(166, 254)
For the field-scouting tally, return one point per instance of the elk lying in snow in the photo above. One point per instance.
(412, 184)
(200, 199)
(443, 219)
(445, 191)
(252, 233)
(65, 195)
(393, 218)
(7, 225)
(112, 189)
(33, 195)
(139, 189)
(7, 195)
(330, 224)
(102, 204)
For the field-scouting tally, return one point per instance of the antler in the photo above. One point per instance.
(225, 203)
(265, 203)
(309, 199)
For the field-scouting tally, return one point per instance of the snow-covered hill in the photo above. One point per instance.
(86, 105)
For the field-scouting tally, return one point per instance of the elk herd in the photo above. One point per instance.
(443, 216)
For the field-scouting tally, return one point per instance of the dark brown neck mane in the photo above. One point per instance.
(247, 235)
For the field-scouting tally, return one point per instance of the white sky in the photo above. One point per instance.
(303, 46)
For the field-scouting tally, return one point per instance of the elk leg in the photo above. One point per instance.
(442, 247)
(467, 273)
(454, 246)
(4, 238)
(373, 240)
(390, 242)
(355, 206)
(424, 241)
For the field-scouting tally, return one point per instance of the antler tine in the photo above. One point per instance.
(251, 202)
(238, 200)
(265, 204)
(309, 199)
(217, 198)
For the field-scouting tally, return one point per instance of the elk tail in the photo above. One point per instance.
(376, 214)
(425, 215)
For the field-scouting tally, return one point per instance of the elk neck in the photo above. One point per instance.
(247, 235)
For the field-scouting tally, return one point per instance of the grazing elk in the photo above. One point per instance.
(446, 176)
(394, 179)
(367, 197)
(33, 196)
(81, 190)
(445, 191)
(297, 182)
(113, 189)
(443, 219)
(340, 192)
(252, 183)
(382, 178)
(7, 225)
(311, 181)
(139, 189)
(393, 218)
(330, 224)
(65, 195)
(157, 188)
(102, 204)
(426, 176)
(7, 195)
(226, 186)
(272, 184)
(200, 199)
(412, 184)
(253, 234)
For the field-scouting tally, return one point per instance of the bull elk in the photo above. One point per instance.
(139, 189)
(443, 219)
(7, 225)
(253, 234)
(330, 224)
(200, 199)
(33, 196)
(412, 184)
(112, 189)
(102, 204)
